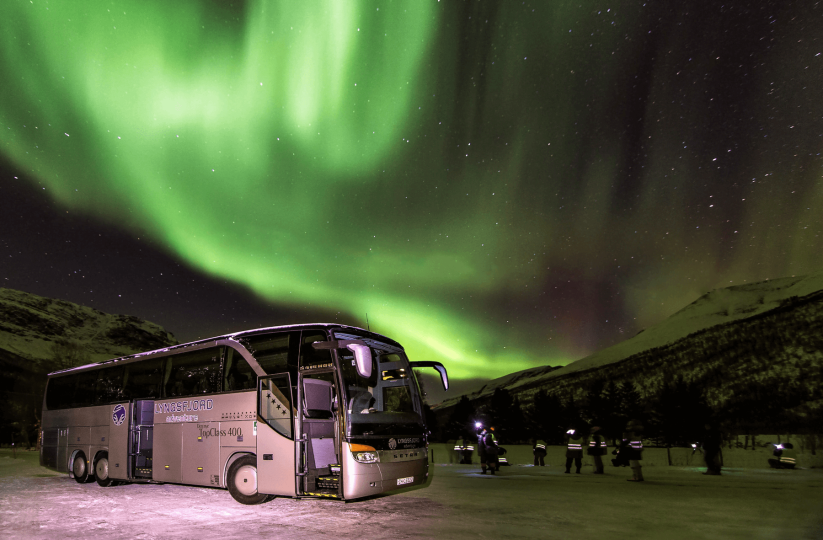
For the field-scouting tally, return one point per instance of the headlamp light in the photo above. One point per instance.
(364, 454)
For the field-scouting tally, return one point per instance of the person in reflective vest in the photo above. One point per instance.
(464, 451)
(574, 450)
(493, 449)
(539, 452)
(635, 432)
(597, 448)
(486, 449)
(784, 456)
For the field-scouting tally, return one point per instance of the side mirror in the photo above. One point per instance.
(362, 357)
(362, 353)
(444, 377)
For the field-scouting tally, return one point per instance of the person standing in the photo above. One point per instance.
(635, 432)
(486, 449)
(493, 450)
(597, 449)
(539, 451)
(574, 450)
(711, 450)
(464, 451)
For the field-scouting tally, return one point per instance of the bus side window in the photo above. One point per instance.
(109, 385)
(274, 352)
(238, 372)
(194, 373)
(275, 405)
(60, 392)
(84, 391)
(143, 379)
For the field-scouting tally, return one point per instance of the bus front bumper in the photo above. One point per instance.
(395, 470)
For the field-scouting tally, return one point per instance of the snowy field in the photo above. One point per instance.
(520, 502)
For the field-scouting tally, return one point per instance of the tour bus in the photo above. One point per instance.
(315, 410)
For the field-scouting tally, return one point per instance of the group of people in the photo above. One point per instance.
(630, 451)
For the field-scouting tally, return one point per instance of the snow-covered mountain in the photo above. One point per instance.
(715, 330)
(49, 333)
(39, 335)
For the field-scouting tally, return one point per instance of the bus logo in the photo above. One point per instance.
(118, 415)
(392, 444)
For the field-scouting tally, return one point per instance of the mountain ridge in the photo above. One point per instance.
(712, 310)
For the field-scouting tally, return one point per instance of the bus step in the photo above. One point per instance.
(328, 482)
(326, 495)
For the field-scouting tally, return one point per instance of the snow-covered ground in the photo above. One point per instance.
(519, 502)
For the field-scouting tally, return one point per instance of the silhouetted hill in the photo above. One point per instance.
(39, 335)
(752, 354)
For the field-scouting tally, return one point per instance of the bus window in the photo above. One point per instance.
(143, 379)
(109, 385)
(60, 392)
(311, 357)
(275, 403)
(397, 399)
(193, 373)
(274, 352)
(238, 374)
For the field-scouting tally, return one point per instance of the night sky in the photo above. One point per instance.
(498, 185)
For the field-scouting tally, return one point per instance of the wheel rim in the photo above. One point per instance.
(102, 469)
(245, 480)
(79, 468)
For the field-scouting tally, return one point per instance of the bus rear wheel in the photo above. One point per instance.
(242, 480)
(101, 471)
(80, 469)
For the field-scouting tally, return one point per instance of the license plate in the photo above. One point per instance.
(404, 481)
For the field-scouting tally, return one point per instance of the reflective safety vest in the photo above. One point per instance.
(597, 446)
(637, 448)
(594, 444)
(575, 443)
(789, 457)
(540, 445)
(463, 445)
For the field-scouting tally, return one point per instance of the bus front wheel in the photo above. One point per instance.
(101, 471)
(80, 469)
(242, 480)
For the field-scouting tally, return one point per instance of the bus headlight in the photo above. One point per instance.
(364, 454)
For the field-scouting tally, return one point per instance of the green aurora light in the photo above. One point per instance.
(347, 155)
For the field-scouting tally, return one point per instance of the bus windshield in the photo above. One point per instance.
(388, 398)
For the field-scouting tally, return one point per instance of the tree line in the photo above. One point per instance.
(759, 375)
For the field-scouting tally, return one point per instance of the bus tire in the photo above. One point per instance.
(101, 471)
(242, 481)
(80, 468)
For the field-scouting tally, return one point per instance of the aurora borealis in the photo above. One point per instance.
(498, 185)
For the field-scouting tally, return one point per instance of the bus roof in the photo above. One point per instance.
(234, 336)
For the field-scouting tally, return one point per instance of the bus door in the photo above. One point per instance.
(141, 439)
(275, 436)
(319, 448)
